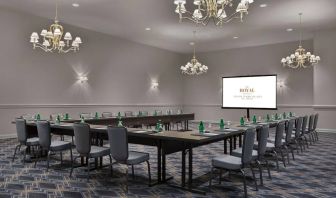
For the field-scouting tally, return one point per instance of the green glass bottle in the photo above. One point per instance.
(201, 127)
(254, 119)
(140, 114)
(119, 115)
(38, 117)
(290, 114)
(96, 115)
(267, 117)
(66, 116)
(276, 116)
(58, 119)
(120, 124)
(82, 120)
(242, 121)
(155, 113)
(284, 115)
(221, 124)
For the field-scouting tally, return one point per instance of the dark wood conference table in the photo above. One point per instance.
(167, 142)
(140, 120)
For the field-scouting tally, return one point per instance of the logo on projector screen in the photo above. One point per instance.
(247, 93)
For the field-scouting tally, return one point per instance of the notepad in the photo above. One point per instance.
(205, 134)
(226, 130)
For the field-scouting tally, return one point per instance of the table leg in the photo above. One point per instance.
(159, 147)
(190, 167)
(231, 144)
(225, 146)
(183, 168)
(163, 166)
(235, 142)
(240, 140)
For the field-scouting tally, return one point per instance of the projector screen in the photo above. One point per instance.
(250, 92)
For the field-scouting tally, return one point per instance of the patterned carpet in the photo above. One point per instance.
(312, 174)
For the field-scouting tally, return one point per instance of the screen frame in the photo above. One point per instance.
(276, 92)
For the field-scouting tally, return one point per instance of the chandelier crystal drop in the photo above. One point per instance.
(212, 9)
(194, 67)
(301, 58)
(52, 39)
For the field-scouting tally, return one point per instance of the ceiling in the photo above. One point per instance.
(129, 18)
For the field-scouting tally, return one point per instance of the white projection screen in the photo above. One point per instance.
(250, 92)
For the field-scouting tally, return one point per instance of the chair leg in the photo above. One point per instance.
(24, 155)
(244, 177)
(133, 176)
(287, 152)
(292, 150)
(254, 178)
(111, 165)
(48, 159)
(211, 175)
(283, 157)
(61, 155)
(71, 161)
(276, 159)
(39, 154)
(126, 180)
(15, 151)
(268, 169)
(220, 176)
(88, 168)
(260, 172)
(149, 174)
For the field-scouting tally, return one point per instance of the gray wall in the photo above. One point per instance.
(120, 73)
(325, 78)
(203, 93)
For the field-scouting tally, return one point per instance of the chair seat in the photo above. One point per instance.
(269, 146)
(227, 162)
(239, 152)
(98, 151)
(32, 141)
(59, 145)
(137, 157)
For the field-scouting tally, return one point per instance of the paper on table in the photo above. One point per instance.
(140, 131)
(205, 134)
(226, 130)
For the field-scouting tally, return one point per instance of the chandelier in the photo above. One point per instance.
(212, 9)
(52, 39)
(301, 58)
(194, 67)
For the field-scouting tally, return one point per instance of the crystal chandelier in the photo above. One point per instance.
(194, 67)
(301, 58)
(52, 39)
(212, 9)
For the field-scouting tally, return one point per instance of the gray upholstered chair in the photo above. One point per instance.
(22, 135)
(303, 130)
(107, 115)
(84, 147)
(233, 163)
(314, 126)
(277, 146)
(46, 144)
(288, 138)
(118, 140)
(309, 131)
(258, 155)
(128, 113)
(296, 137)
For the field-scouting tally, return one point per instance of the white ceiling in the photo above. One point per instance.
(129, 18)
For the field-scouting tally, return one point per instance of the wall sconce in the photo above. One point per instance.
(281, 84)
(83, 79)
(155, 85)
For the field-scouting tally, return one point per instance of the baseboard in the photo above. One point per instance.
(327, 130)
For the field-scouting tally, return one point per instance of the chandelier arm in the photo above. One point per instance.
(44, 48)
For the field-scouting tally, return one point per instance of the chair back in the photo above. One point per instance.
(21, 130)
(315, 121)
(128, 113)
(248, 143)
(304, 124)
(311, 122)
(107, 115)
(263, 135)
(118, 143)
(289, 130)
(279, 134)
(82, 138)
(298, 127)
(44, 134)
